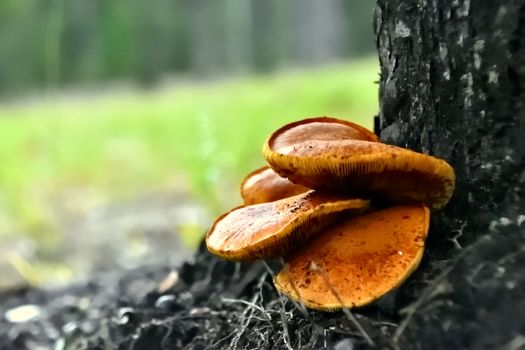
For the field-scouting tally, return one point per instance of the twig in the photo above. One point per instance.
(286, 335)
(228, 300)
(346, 311)
(300, 305)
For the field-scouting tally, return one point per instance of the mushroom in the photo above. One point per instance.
(268, 230)
(356, 260)
(321, 128)
(315, 154)
(335, 258)
(265, 185)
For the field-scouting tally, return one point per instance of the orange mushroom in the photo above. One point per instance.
(268, 230)
(265, 185)
(334, 162)
(357, 260)
(334, 262)
(321, 128)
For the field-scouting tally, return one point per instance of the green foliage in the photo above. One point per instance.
(202, 138)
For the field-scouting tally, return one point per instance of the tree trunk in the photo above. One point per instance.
(453, 85)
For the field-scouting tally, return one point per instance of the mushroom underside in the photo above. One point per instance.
(356, 260)
(268, 230)
(370, 168)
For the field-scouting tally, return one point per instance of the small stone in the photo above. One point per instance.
(199, 311)
(69, 328)
(166, 302)
(345, 344)
(125, 315)
(24, 313)
(168, 282)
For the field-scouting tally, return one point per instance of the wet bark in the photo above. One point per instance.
(453, 85)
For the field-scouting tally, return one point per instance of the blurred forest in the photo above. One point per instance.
(137, 120)
(51, 43)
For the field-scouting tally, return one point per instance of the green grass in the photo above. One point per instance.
(202, 138)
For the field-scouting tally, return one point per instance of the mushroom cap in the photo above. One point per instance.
(358, 167)
(268, 230)
(265, 185)
(356, 260)
(320, 128)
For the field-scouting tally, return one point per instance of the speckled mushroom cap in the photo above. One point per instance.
(269, 230)
(333, 162)
(321, 128)
(356, 261)
(265, 185)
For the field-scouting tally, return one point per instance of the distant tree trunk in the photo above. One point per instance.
(453, 85)
(319, 30)
(205, 36)
(358, 33)
(237, 34)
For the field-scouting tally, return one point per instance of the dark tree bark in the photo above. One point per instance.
(453, 85)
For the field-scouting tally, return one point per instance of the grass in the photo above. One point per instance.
(201, 138)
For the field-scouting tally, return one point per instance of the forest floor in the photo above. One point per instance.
(159, 228)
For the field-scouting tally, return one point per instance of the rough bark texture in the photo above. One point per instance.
(453, 85)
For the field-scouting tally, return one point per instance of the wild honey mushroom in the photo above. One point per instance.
(312, 206)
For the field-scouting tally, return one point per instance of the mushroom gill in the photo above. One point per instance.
(267, 230)
(359, 167)
(356, 260)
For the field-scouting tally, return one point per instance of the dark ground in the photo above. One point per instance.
(216, 304)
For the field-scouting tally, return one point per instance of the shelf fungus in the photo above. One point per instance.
(269, 230)
(304, 154)
(356, 260)
(265, 185)
(304, 207)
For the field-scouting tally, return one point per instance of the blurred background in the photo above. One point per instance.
(126, 126)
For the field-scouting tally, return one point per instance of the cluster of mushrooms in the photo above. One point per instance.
(348, 213)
